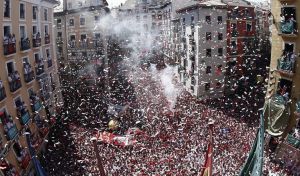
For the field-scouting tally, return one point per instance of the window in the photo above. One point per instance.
(208, 35)
(220, 20)
(22, 32)
(207, 86)
(59, 34)
(69, 5)
(249, 27)
(233, 46)
(58, 23)
(82, 21)
(71, 22)
(208, 52)
(7, 8)
(10, 67)
(183, 21)
(220, 36)
(46, 29)
(97, 18)
(220, 51)
(34, 29)
(208, 19)
(7, 31)
(45, 14)
(34, 12)
(208, 69)
(192, 19)
(22, 11)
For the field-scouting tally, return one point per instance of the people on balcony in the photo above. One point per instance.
(14, 81)
(7, 121)
(9, 42)
(286, 61)
(28, 72)
(288, 26)
(2, 91)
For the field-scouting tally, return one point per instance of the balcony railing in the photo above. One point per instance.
(9, 45)
(24, 44)
(36, 41)
(286, 64)
(49, 63)
(36, 106)
(40, 69)
(234, 33)
(47, 39)
(59, 40)
(29, 76)
(14, 81)
(11, 132)
(288, 28)
(97, 43)
(72, 44)
(25, 117)
(2, 93)
(84, 44)
(293, 141)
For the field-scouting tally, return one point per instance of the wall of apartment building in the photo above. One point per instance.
(8, 104)
(241, 58)
(278, 45)
(202, 61)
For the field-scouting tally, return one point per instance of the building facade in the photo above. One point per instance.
(78, 36)
(241, 48)
(284, 79)
(29, 85)
(203, 48)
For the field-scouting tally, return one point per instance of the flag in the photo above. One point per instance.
(207, 168)
(39, 170)
(254, 163)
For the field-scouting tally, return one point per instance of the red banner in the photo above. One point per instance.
(207, 168)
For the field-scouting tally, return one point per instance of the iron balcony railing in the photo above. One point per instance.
(2, 93)
(25, 44)
(288, 27)
(14, 81)
(9, 45)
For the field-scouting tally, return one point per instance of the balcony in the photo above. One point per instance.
(49, 63)
(36, 106)
(2, 92)
(84, 44)
(9, 45)
(59, 40)
(97, 43)
(36, 40)
(47, 38)
(293, 141)
(72, 44)
(45, 95)
(40, 69)
(14, 81)
(28, 73)
(192, 41)
(234, 33)
(11, 131)
(286, 66)
(24, 44)
(25, 116)
(288, 28)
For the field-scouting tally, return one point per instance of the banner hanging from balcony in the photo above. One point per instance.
(277, 113)
(254, 163)
(39, 170)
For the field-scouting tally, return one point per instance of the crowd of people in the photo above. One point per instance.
(174, 142)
